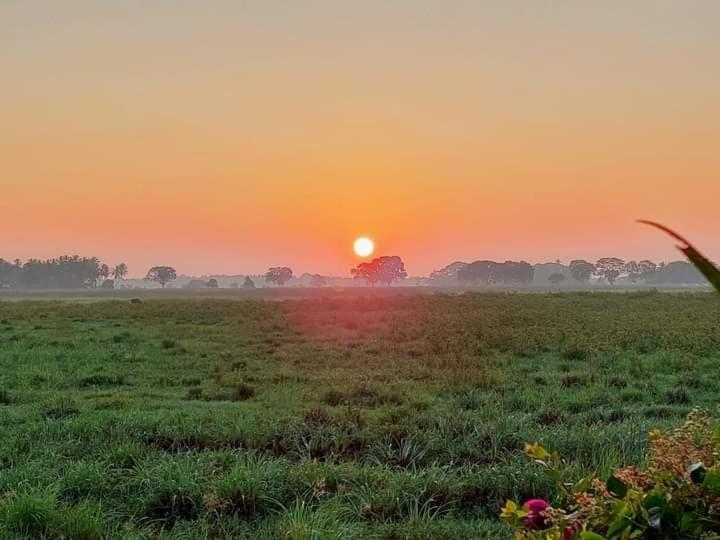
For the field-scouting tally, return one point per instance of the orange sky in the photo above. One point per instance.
(230, 136)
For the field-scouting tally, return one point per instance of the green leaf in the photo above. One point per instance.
(655, 499)
(617, 487)
(583, 485)
(553, 474)
(589, 535)
(702, 263)
(689, 522)
(620, 523)
(711, 482)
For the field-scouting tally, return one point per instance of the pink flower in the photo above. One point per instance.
(571, 530)
(535, 518)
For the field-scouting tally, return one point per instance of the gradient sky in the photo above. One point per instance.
(227, 136)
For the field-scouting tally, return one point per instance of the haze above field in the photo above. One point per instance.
(228, 137)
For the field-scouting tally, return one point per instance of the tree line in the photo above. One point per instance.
(610, 269)
(66, 272)
(581, 272)
(75, 272)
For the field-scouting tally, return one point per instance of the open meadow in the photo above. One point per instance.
(387, 416)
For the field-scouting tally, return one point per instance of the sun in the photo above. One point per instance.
(363, 247)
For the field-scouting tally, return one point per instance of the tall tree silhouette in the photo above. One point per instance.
(610, 268)
(279, 275)
(120, 271)
(581, 270)
(386, 270)
(162, 275)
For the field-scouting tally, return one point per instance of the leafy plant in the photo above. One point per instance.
(675, 496)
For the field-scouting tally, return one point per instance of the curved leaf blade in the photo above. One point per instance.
(702, 263)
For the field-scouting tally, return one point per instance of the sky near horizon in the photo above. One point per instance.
(229, 136)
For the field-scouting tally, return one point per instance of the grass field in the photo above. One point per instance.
(393, 416)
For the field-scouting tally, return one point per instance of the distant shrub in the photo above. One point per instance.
(402, 452)
(136, 301)
(122, 337)
(572, 379)
(549, 416)
(576, 353)
(62, 409)
(5, 398)
(305, 521)
(333, 397)
(167, 344)
(252, 488)
(677, 396)
(102, 380)
(125, 457)
(242, 392)
(660, 411)
(362, 395)
(317, 417)
(692, 381)
(194, 393)
(168, 507)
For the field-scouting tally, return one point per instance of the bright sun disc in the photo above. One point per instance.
(364, 247)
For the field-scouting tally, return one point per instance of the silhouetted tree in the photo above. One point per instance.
(9, 274)
(677, 273)
(120, 271)
(449, 273)
(104, 274)
(557, 278)
(610, 268)
(479, 271)
(318, 281)
(248, 283)
(515, 273)
(646, 270)
(386, 269)
(108, 284)
(632, 270)
(212, 283)
(278, 275)
(581, 270)
(65, 272)
(162, 275)
(491, 273)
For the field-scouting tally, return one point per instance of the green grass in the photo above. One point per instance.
(396, 416)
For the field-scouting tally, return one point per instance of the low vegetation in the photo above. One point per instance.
(675, 495)
(391, 416)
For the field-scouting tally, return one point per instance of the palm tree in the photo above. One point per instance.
(120, 271)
